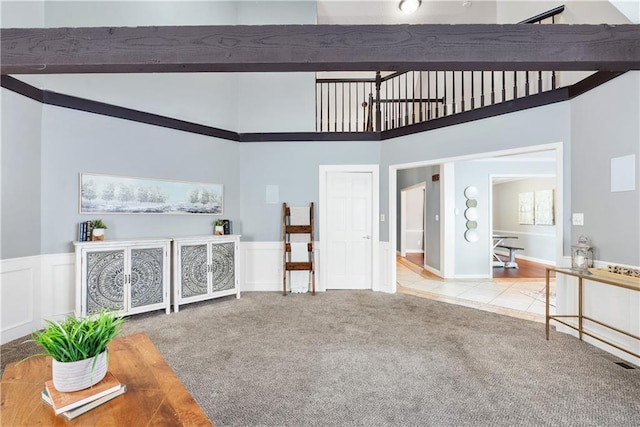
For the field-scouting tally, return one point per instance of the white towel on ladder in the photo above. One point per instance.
(299, 280)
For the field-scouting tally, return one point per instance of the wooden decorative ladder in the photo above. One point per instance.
(287, 230)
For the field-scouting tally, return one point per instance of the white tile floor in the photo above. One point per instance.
(523, 298)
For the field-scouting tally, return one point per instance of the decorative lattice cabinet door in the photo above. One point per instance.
(147, 276)
(122, 275)
(104, 281)
(223, 266)
(204, 267)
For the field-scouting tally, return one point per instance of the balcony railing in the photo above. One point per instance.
(394, 99)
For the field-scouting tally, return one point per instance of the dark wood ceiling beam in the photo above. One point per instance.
(285, 48)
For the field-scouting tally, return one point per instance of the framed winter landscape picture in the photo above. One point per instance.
(119, 194)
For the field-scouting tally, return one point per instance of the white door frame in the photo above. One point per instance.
(446, 209)
(375, 214)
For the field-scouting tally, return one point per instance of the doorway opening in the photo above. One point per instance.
(524, 244)
(450, 207)
(413, 223)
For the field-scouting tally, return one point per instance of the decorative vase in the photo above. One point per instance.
(74, 376)
(97, 234)
(218, 230)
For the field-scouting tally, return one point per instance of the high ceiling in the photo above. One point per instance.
(475, 11)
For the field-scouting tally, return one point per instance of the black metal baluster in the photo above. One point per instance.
(515, 85)
(335, 107)
(504, 86)
(399, 105)
(342, 112)
(428, 95)
(420, 103)
(320, 129)
(539, 81)
(493, 88)
(406, 99)
(482, 89)
(462, 89)
(473, 91)
(444, 106)
(350, 106)
(526, 83)
(453, 92)
(553, 73)
(437, 100)
(378, 126)
(357, 104)
(413, 97)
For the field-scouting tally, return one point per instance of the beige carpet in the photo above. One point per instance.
(358, 358)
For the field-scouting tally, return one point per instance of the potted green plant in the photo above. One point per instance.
(97, 229)
(78, 347)
(218, 227)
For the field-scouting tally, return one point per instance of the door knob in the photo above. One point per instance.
(367, 237)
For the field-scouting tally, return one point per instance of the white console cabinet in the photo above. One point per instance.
(205, 267)
(127, 276)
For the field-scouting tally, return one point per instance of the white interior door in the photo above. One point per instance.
(349, 230)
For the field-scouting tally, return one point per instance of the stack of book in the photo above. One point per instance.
(73, 404)
(84, 231)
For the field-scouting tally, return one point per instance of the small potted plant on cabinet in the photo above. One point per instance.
(78, 347)
(218, 227)
(97, 229)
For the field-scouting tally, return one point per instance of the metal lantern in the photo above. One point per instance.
(582, 255)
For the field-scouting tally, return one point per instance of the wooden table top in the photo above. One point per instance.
(155, 396)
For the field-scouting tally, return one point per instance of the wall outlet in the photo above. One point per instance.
(381, 217)
(437, 217)
(577, 219)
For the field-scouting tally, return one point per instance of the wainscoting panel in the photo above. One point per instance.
(20, 297)
(58, 285)
(615, 306)
(33, 289)
(386, 283)
(260, 266)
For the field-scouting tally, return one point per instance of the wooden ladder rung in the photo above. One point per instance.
(297, 266)
(298, 229)
(287, 247)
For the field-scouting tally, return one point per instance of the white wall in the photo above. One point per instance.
(538, 241)
(414, 233)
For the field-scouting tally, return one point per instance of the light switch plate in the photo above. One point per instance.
(577, 219)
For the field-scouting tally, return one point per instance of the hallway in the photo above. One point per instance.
(511, 296)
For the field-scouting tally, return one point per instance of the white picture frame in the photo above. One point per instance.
(111, 194)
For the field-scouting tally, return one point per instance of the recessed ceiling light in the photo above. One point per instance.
(409, 6)
(466, 3)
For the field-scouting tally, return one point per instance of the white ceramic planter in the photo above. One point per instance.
(97, 234)
(74, 376)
